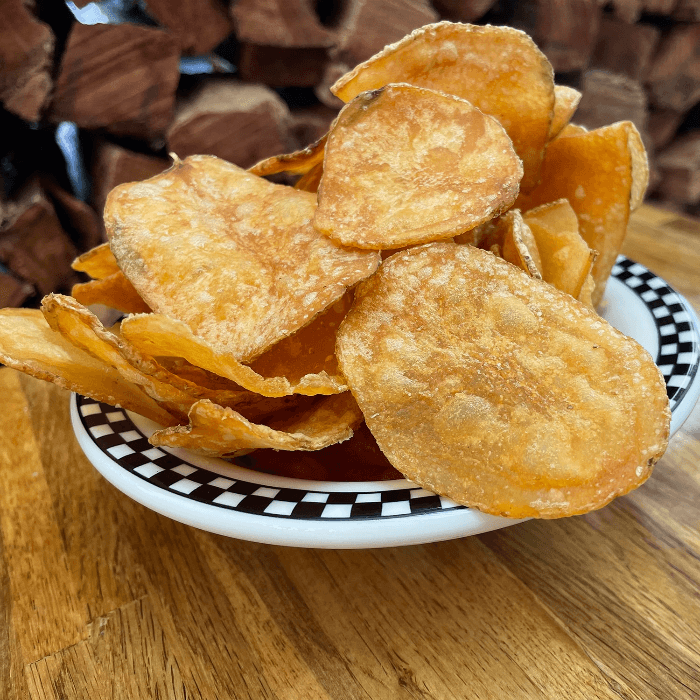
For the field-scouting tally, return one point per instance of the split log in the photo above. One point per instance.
(628, 11)
(687, 11)
(367, 26)
(625, 48)
(609, 98)
(659, 7)
(26, 54)
(34, 247)
(565, 30)
(121, 78)
(281, 66)
(114, 165)
(679, 168)
(287, 23)
(674, 77)
(662, 126)
(235, 121)
(463, 10)
(198, 27)
(13, 292)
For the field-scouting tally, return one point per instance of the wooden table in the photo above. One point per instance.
(102, 598)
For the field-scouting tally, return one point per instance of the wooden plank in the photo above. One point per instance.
(47, 614)
(88, 510)
(128, 655)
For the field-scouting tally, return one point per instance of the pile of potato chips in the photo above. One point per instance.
(433, 272)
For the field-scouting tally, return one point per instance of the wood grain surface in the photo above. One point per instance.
(103, 598)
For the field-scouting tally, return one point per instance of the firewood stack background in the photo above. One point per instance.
(98, 94)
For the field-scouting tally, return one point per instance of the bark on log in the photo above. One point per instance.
(121, 78)
(625, 48)
(286, 23)
(280, 66)
(238, 122)
(197, 25)
(463, 10)
(26, 53)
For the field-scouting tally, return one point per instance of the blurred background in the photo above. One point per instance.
(96, 94)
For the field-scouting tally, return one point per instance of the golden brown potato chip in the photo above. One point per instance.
(585, 296)
(497, 69)
(28, 344)
(114, 291)
(498, 390)
(406, 165)
(572, 130)
(221, 432)
(310, 181)
(97, 262)
(229, 254)
(566, 259)
(81, 327)
(160, 335)
(566, 101)
(595, 171)
(298, 162)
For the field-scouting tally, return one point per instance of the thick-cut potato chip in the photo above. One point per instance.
(572, 130)
(114, 291)
(498, 390)
(407, 165)
(310, 181)
(229, 254)
(28, 344)
(81, 327)
(566, 259)
(603, 174)
(497, 69)
(97, 262)
(160, 335)
(221, 432)
(298, 162)
(566, 101)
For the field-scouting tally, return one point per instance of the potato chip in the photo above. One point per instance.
(602, 174)
(160, 335)
(28, 344)
(114, 291)
(585, 296)
(310, 181)
(97, 262)
(221, 432)
(566, 101)
(298, 162)
(566, 259)
(498, 69)
(406, 165)
(229, 254)
(498, 390)
(572, 130)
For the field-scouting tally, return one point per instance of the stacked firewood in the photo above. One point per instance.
(87, 106)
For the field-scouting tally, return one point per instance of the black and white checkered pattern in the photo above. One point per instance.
(118, 437)
(679, 353)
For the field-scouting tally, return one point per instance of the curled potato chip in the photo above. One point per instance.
(298, 162)
(232, 256)
(603, 174)
(160, 335)
(498, 69)
(407, 165)
(98, 262)
(498, 390)
(28, 344)
(114, 291)
(585, 296)
(566, 259)
(222, 432)
(566, 101)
